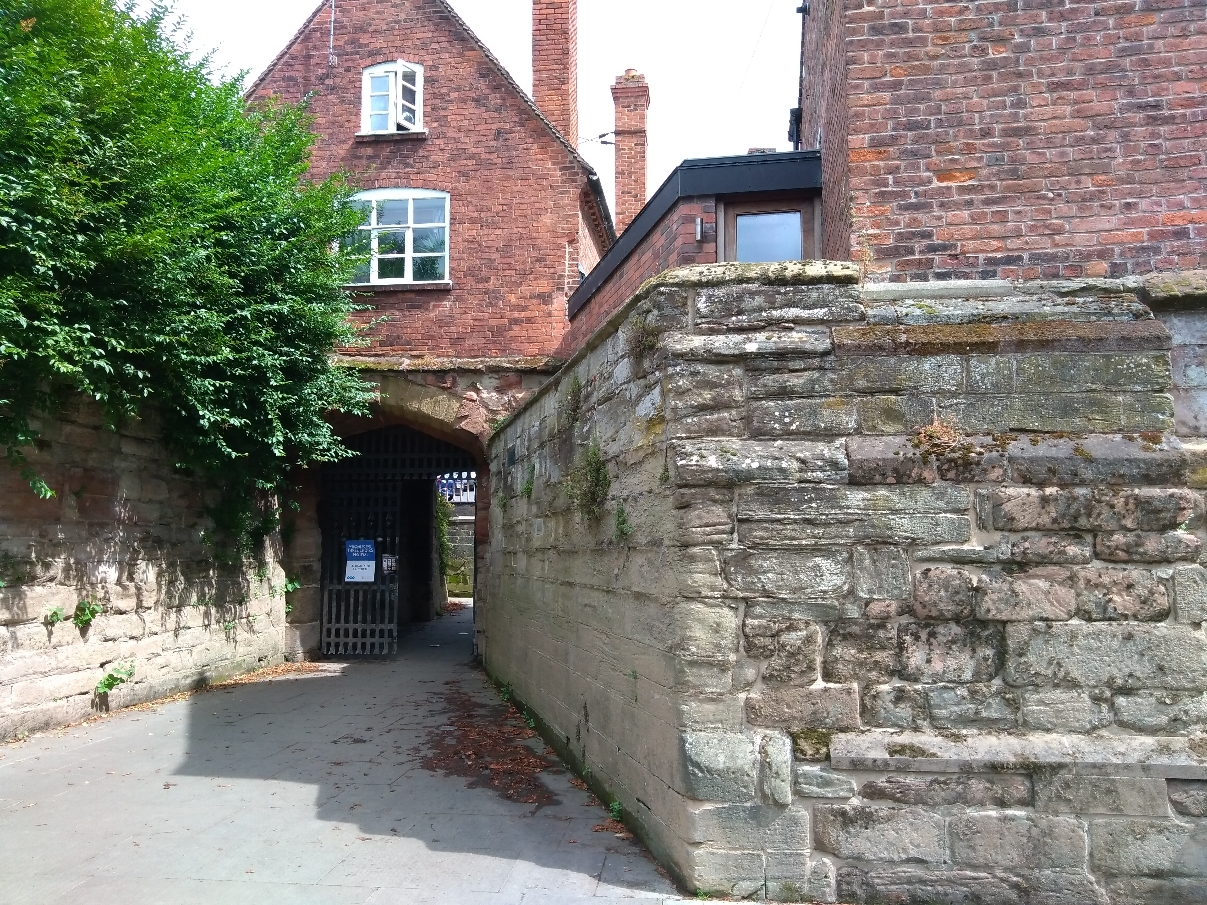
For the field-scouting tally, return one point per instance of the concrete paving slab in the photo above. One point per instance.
(123, 891)
(300, 790)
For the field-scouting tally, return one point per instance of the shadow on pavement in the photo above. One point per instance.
(400, 774)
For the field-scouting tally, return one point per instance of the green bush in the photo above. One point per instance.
(159, 243)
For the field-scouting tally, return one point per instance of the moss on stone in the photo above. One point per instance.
(811, 744)
(908, 750)
(1174, 290)
(782, 273)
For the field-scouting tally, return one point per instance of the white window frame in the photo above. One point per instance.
(374, 230)
(397, 106)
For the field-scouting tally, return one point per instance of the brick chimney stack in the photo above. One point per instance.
(555, 63)
(632, 98)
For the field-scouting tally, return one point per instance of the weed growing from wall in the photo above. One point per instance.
(118, 675)
(530, 483)
(573, 405)
(623, 527)
(55, 616)
(85, 612)
(588, 483)
(444, 520)
(642, 338)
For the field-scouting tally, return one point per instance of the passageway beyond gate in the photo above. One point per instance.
(309, 788)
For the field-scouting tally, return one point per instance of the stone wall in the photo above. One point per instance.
(124, 532)
(906, 602)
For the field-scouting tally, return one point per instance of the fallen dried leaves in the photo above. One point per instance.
(484, 743)
(615, 827)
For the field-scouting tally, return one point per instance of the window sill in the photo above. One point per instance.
(444, 286)
(419, 135)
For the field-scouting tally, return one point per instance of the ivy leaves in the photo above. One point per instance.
(159, 243)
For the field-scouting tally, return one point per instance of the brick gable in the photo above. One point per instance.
(515, 183)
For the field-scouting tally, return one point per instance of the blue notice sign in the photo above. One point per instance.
(362, 560)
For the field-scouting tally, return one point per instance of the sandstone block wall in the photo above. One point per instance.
(124, 532)
(912, 604)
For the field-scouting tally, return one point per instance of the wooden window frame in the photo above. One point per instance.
(397, 106)
(810, 223)
(374, 229)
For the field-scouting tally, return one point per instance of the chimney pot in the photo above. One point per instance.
(631, 95)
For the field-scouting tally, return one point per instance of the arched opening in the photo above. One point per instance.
(380, 563)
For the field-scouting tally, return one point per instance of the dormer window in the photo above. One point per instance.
(392, 98)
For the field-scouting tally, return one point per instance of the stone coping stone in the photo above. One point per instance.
(1002, 339)
(392, 361)
(1173, 291)
(780, 273)
(1090, 755)
(914, 310)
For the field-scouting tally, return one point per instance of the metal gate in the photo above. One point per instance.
(362, 500)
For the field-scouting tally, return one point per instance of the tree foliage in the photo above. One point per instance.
(160, 243)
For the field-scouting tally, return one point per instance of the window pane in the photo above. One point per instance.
(362, 273)
(380, 103)
(429, 268)
(365, 208)
(391, 268)
(408, 95)
(392, 213)
(769, 237)
(379, 122)
(392, 243)
(429, 210)
(429, 241)
(379, 84)
(357, 243)
(408, 76)
(407, 117)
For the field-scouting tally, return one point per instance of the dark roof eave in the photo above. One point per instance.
(709, 176)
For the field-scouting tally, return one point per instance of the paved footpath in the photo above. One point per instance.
(304, 789)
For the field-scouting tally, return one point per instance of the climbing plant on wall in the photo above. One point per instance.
(160, 243)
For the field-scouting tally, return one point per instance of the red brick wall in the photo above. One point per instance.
(824, 116)
(1027, 138)
(631, 96)
(514, 187)
(555, 63)
(672, 243)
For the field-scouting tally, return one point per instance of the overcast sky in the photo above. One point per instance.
(722, 73)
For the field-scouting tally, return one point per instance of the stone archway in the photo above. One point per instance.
(458, 405)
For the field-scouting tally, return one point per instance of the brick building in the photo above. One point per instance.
(1010, 138)
(480, 218)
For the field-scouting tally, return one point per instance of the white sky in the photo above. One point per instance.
(722, 73)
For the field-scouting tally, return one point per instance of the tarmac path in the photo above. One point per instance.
(362, 782)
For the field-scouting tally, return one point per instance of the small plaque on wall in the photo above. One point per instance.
(389, 564)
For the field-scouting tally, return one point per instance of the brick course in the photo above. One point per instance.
(517, 188)
(1024, 138)
(672, 243)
